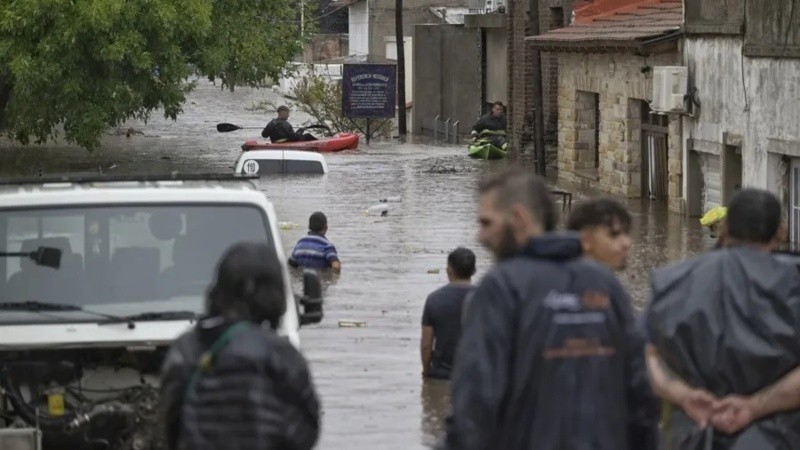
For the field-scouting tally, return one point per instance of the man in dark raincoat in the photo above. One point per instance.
(725, 338)
(550, 357)
(495, 123)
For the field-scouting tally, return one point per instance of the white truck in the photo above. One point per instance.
(98, 276)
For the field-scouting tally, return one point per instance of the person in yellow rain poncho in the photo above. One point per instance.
(714, 219)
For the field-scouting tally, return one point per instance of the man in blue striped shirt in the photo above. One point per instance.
(314, 251)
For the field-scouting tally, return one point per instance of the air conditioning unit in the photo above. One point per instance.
(670, 85)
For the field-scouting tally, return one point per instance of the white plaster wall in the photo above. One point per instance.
(769, 111)
(497, 65)
(358, 28)
(408, 51)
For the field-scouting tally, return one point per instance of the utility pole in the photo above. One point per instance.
(538, 102)
(401, 69)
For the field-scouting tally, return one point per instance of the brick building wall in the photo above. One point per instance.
(520, 85)
(552, 14)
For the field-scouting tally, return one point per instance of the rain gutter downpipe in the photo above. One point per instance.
(538, 101)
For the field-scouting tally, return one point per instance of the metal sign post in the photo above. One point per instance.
(369, 91)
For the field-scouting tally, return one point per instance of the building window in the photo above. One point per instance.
(587, 124)
(655, 162)
(556, 18)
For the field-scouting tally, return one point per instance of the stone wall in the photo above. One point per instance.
(676, 201)
(324, 47)
(622, 88)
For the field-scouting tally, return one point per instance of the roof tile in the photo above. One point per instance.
(632, 22)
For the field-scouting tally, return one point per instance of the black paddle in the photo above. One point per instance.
(319, 126)
(316, 127)
(226, 127)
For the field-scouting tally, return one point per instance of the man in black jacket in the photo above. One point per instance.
(280, 130)
(232, 382)
(550, 357)
(494, 121)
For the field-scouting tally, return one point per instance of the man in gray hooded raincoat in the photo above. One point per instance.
(724, 332)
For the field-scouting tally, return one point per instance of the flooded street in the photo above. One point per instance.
(368, 378)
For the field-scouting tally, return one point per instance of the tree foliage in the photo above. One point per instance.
(88, 65)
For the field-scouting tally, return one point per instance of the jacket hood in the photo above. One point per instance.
(557, 246)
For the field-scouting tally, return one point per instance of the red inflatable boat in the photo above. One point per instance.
(337, 143)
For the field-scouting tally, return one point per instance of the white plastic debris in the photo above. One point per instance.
(352, 324)
(381, 209)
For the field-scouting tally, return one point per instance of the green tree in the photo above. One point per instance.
(321, 98)
(88, 65)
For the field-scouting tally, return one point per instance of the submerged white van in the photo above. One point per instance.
(277, 161)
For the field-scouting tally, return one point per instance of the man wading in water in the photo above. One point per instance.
(604, 226)
(315, 251)
(441, 318)
(724, 332)
(549, 357)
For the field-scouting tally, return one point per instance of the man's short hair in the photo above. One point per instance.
(283, 108)
(516, 186)
(500, 104)
(317, 222)
(462, 262)
(754, 216)
(599, 212)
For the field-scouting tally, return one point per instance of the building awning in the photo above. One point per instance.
(633, 26)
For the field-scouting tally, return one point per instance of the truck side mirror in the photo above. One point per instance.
(311, 299)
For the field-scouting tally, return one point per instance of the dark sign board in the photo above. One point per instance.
(369, 91)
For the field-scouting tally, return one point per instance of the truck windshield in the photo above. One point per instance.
(120, 260)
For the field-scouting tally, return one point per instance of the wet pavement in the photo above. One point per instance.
(368, 377)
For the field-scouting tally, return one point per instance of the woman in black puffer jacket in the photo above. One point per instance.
(232, 382)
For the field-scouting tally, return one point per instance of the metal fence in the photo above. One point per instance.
(565, 198)
(486, 6)
(445, 129)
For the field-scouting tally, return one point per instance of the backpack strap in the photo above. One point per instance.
(206, 360)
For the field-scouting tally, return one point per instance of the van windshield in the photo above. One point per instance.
(120, 260)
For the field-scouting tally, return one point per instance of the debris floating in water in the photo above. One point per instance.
(287, 225)
(352, 324)
(397, 199)
(381, 209)
(433, 271)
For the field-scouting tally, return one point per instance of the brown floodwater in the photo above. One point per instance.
(368, 377)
